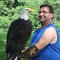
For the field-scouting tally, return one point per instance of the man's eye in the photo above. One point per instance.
(39, 11)
(43, 12)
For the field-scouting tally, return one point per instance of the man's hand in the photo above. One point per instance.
(24, 49)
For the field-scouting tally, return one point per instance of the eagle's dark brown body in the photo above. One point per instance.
(17, 36)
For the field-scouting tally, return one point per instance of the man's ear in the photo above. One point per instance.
(51, 15)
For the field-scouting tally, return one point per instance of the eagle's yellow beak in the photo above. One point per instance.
(30, 10)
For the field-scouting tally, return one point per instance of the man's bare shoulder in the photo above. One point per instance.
(50, 34)
(50, 31)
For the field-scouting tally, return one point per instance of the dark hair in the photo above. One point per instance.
(51, 10)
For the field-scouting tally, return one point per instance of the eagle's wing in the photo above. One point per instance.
(17, 36)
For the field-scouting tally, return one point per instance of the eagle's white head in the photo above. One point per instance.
(25, 13)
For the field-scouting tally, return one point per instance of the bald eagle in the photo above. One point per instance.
(18, 34)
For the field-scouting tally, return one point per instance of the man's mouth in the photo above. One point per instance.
(41, 17)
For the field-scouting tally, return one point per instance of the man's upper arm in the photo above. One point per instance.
(48, 36)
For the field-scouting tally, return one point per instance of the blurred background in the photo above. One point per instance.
(10, 10)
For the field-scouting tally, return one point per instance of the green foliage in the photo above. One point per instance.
(58, 25)
(10, 11)
(2, 45)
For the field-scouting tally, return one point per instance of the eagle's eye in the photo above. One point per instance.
(27, 9)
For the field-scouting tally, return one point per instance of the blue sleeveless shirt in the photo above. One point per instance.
(51, 51)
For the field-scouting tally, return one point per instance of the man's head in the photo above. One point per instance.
(46, 12)
(51, 10)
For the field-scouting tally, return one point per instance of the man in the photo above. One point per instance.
(45, 40)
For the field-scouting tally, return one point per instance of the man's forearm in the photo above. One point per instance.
(30, 52)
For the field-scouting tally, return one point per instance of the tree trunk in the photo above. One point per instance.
(15, 3)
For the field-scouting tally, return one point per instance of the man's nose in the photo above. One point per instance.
(40, 14)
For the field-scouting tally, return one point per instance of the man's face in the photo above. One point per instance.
(44, 14)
